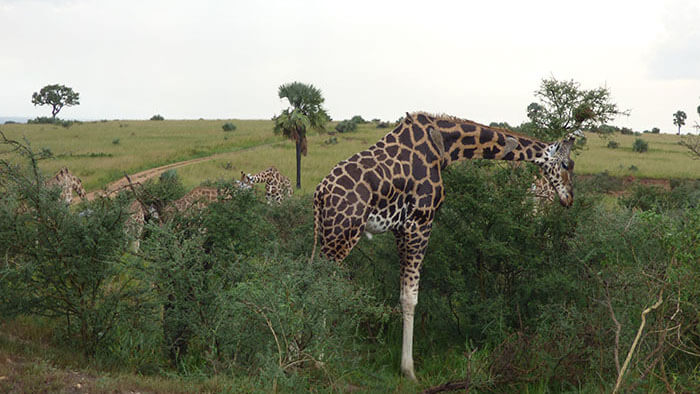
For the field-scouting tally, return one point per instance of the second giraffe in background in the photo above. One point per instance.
(277, 186)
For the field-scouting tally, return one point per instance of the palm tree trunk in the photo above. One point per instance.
(299, 163)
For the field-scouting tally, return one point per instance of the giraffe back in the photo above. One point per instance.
(198, 198)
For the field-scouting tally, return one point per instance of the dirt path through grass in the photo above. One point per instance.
(143, 176)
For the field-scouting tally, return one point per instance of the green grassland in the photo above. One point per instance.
(101, 152)
(665, 158)
(90, 150)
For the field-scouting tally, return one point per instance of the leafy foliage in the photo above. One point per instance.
(305, 113)
(157, 117)
(54, 121)
(63, 264)
(57, 96)
(613, 144)
(692, 143)
(679, 118)
(346, 126)
(640, 145)
(564, 107)
(511, 300)
(228, 126)
(357, 119)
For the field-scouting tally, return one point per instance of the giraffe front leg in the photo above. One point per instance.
(409, 300)
(411, 245)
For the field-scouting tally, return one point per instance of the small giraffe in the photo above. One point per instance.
(277, 186)
(133, 226)
(396, 185)
(69, 183)
(199, 198)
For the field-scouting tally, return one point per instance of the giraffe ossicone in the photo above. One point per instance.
(396, 185)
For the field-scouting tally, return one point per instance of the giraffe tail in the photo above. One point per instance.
(318, 206)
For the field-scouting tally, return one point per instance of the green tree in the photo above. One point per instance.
(679, 119)
(305, 112)
(57, 96)
(564, 107)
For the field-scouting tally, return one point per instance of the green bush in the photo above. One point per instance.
(613, 145)
(161, 192)
(228, 126)
(657, 199)
(157, 117)
(66, 264)
(640, 145)
(54, 121)
(357, 119)
(601, 182)
(346, 126)
(115, 141)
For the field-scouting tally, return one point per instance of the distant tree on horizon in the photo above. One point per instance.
(305, 112)
(679, 119)
(57, 96)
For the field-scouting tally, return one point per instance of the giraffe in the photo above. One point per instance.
(138, 214)
(199, 198)
(69, 183)
(542, 192)
(396, 185)
(277, 186)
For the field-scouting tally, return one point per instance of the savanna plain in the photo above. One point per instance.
(515, 296)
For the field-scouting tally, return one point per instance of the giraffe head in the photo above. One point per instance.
(558, 168)
(246, 178)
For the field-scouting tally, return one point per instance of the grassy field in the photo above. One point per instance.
(101, 152)
(665, 158)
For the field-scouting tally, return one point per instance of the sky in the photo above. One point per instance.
(131, 59)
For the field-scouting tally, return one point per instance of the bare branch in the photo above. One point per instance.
(636, 340)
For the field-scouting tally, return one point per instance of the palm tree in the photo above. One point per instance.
(679, 120)
(305, 113)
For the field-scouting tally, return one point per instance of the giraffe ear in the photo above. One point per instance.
(511, 143)
(436, 136)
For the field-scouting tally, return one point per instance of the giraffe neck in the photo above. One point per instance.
(464, 140)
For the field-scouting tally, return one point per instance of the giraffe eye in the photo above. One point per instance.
(564, 165)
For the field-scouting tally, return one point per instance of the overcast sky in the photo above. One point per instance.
(482, 60)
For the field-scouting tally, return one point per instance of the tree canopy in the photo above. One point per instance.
(305, 113)
(563, 107)
(679, 119)
(57, 96)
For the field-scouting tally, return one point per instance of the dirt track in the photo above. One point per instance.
(143, 176)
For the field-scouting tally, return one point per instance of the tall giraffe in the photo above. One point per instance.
(69, 183)
(277, 186)
(396, 185)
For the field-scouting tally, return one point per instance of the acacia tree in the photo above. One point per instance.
(679, 120)
(564, 107)
(57, 96)
(305, 113)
